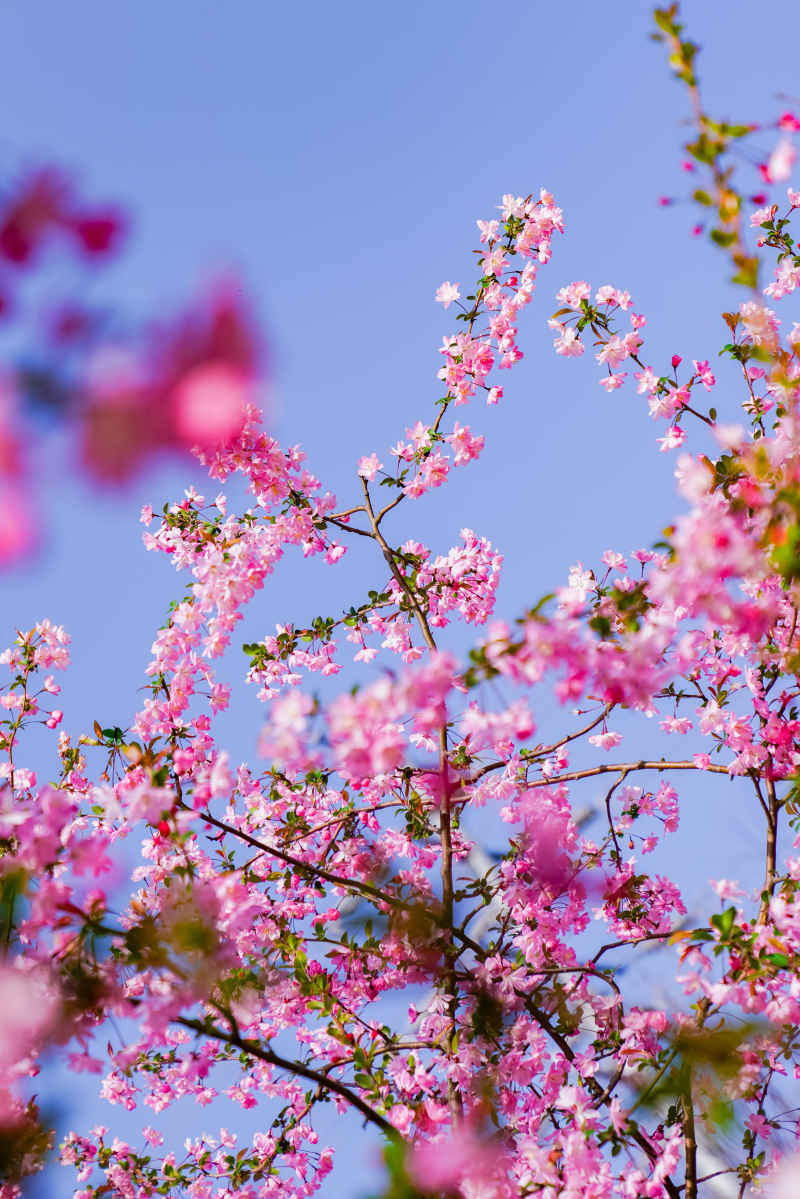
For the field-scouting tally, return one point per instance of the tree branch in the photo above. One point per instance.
(294, 1067)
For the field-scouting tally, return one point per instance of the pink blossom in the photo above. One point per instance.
(574, 294)
(368, 467)
(454, 1162)
(673, 439)
(605, 741)
(784, 1182)
(611, 381)
(787, 280)
(30, 1006)
(466, 445)
(447, 293)
(568, 343)
(613, 297)
(210, 405)
(704, 374)
(17, 524)
(781, 161)
(762, 215)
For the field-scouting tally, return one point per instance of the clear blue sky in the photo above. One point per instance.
(338, 155)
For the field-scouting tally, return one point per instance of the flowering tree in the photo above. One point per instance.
(276, 911)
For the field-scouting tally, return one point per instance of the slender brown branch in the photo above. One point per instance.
(349, 884)
(729, 213)
(340, 524)
(445, 815)
(234, 1038)
(451, 953)
(592, 1085)
(347, 512)
(689, 1142)
(397, 574)
(611, 768)
(603, 768)
(617, 852)
(771, 849)
(388, 507)
(580, 732)
(630, 944)
(547, 749)
(717, 1174)
(336, 880)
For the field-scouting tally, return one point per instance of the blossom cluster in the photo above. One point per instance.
(280, 913)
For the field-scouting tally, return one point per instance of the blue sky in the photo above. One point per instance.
(338, 156)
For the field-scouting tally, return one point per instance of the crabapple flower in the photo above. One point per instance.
(447, 293)
(460, 1163)
(704, 375)
(369, 466)
(673, 439)
(781, 161)
(574, 294)
(568, 343)
(611, 381)
(210, 405)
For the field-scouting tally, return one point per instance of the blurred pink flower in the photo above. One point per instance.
(785, 1182)
(29, 1005)
(17, 524)
(781, 161)
(209, 404)
(460, 1158)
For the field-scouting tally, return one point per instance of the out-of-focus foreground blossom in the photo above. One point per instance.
(186, 386)
(462, 1163)
(126, 396)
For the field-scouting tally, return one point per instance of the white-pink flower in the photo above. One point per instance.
(781, 160)
(673, 440)
(446, 293)
(369, 466)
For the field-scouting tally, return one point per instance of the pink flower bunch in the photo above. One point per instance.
(328, 925)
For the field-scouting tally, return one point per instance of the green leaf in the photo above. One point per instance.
(723, 922)
(747, 275)
(665, 19)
